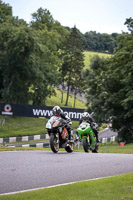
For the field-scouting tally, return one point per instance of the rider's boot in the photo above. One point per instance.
(76, 137)
(69, 133)
(97, 139)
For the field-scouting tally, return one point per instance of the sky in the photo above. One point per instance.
(103, 16)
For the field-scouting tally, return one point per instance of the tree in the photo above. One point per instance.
(27, 62)
(108, 43)
(17, 62)
(121, 98)
(94, 87)
(48, 77)
(129, 23)
(5, 12)
(77, 87)
(94, 41)
(8, 26)
(42, 19)
(29, 58)
(72, 60)
(110, 90)
(52, 35)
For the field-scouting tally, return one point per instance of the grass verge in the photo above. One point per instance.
(17, 126)
(56, 100)
(89, 54)
(112, 188)
(116, 148)
(20, 126)
(111, 148)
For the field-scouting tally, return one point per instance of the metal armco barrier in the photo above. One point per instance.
(36, 111)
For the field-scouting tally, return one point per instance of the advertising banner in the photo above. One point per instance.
(36, 111)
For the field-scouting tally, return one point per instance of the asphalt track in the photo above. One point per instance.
(25, 170)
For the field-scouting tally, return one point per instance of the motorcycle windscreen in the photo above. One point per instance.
(64, 133)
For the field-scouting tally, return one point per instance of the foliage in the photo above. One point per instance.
(94, 82)
(94, 41)
(129, 23)
(121, 75)
(18, 62)
(36, 57)
(29, 57)
(42, 19)
(88, 55)
(5, 12)
(73, 62)
(110, 93)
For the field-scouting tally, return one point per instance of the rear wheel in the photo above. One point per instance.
(53, 144)
(86, 145)
(96, 149)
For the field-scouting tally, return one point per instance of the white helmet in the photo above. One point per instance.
(85, 115)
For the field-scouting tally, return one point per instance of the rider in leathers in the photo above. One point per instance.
(57, 111)
(88, 118)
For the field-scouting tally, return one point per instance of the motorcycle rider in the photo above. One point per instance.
(57, 111)
(88, 118)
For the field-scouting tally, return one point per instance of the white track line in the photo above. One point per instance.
(29, 190)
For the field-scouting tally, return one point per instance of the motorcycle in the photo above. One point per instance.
(59, 138)
(87, 136)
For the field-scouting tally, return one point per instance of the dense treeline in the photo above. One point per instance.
(36, 57)
(98, 42)
(109, 87)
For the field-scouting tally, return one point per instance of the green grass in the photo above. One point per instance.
(18, 126)
(113, 147)
(116, 148)
(110, 148)
(88, 55)
(56, 100)
(112, 188)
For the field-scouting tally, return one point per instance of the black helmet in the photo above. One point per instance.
(56, 110)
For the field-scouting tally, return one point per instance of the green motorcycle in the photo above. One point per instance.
(87, 136)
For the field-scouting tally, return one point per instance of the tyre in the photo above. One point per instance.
(53, 144)
(85, 145)
(70, 147)
(96, 149)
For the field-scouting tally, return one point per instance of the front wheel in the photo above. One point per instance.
(70, 147)
(86, 145)
(53, 144)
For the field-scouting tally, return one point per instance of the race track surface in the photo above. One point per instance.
(23, 170)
